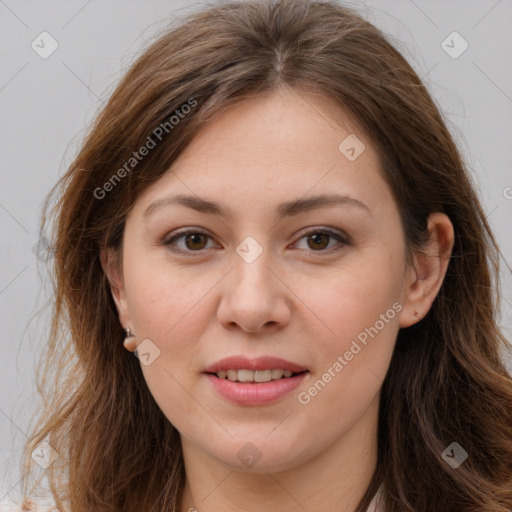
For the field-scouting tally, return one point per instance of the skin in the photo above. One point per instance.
(301, 301)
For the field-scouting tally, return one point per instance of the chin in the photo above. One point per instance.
(262, 456)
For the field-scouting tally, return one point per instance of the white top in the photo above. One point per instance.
(44, 505)
(376, 505)
(40, 506)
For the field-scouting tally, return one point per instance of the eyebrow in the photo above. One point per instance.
(286, 209)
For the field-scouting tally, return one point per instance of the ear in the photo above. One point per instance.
(111, 264)
(425, 279)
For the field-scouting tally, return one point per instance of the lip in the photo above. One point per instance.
(261, 393)
(252, 394)
(259, 363)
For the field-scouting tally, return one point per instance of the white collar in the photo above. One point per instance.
(376, 504)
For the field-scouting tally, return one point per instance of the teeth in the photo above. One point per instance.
(253, 375)
(245, 375)
(277, 374)
(262, 375)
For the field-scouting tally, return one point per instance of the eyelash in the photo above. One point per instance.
(181, 234)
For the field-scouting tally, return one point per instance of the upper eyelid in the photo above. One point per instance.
(314, 229)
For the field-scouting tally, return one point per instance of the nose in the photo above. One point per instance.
(254, 298)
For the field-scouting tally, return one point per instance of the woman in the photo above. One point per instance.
(278, 284)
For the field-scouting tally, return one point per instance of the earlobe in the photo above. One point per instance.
(113, 272)
(129, 341)
(429, 271)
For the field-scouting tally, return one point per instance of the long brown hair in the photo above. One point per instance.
(446, 382)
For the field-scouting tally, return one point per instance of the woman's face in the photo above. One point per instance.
(271, 270)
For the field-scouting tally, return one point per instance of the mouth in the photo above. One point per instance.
(255, 376)
(255, 382)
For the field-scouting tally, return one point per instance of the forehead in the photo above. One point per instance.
(284, 124)
(278, 146)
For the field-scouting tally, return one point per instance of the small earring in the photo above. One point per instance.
(128, 335)
(416, 314)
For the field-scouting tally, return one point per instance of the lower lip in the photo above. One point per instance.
(248, 393)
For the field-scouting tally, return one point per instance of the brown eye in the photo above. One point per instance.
(320, 240)
(189, 242)
(196, 241)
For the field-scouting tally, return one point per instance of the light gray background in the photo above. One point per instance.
(45, 105)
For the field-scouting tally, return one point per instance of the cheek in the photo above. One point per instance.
(359, 310)
(164, 298)
(352, 356)
(355, 296)
(168, 307)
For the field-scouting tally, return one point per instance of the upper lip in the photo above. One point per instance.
(259, 363)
